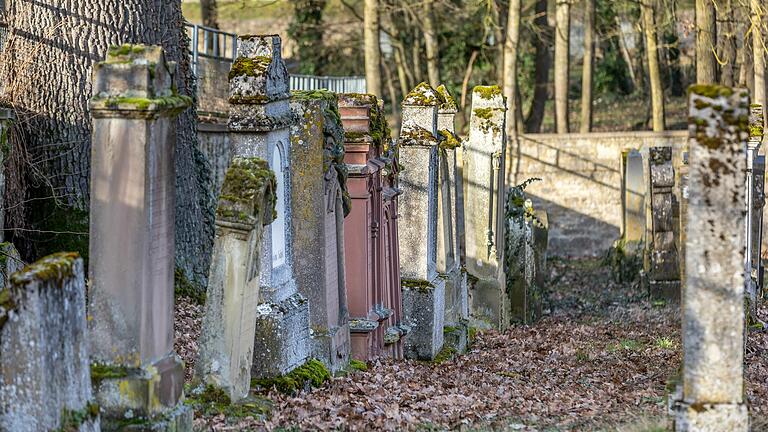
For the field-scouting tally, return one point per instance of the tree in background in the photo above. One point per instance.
(511, 48)
(654, 70)
(588, 66)
(371, 29)
(431, 43)
(541, 35)
(758, 18)
(306, 30)
(209, 13)
(562, 62)
(706, 38)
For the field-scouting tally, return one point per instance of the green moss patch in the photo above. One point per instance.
(487, 92)
(100, 371)
(447, 102)
(449, 140)
(53, 267)
(422, 95)
(418, 284)
(251, 67)
(312, 373)
(183, 287)
(246, 181)
(358, 365)
(71, 420)
(710, 90)
(445, 354)
(213, 401)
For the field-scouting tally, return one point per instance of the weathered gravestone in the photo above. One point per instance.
(758, 206)
(633, 231)
(371, 230)
(755, 202)
(712, 394)
(484, 203)
(663, 271)
(320, 202)
(45, 376)
(246, 205)
(259, 124)
(423, 288)
(134, 111)
(451, 210)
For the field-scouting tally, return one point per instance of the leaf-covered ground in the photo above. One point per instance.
(602, 358)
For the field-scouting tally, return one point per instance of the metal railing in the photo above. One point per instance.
(354, 84)
(210, 43)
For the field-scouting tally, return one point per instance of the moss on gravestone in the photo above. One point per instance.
(312, 373)
(249, 66)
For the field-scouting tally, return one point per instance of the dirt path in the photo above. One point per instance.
(601, 359)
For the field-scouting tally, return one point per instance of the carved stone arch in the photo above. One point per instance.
(333, 191)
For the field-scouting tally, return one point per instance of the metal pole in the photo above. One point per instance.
(195, 54)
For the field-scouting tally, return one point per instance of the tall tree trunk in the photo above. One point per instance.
(706, 37)
(728, 46)
(625, 54)
(654, 71)
(758, 47)
(209, 13)
(542, 63)
(58, 41)
(587, 67)
(562, 62)
(372, 47)
(511, 43)
(430, 40)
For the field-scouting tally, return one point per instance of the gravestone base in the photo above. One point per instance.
(282, 338)
(664, 290)
(456, 336)
(711, 417)
(424, 308)
(488, 303)
(144, 398)
(332, 347)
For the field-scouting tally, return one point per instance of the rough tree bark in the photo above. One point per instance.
(728, 46)
(654, 71)
(542, 64)
(431, 43)
(511, 43)
(58, 42)
(706, 37)
(562, 62)
(209, 12)
(372, 47)
(588, 66)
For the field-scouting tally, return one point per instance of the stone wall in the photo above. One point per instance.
(581, 183)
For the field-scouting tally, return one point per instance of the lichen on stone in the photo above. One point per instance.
(413, 135)
(447, 102)
(449, 140)
(247, 180)
(423, 95)
(417, 284)
(54, 267)
(249, 66)
(487, 92)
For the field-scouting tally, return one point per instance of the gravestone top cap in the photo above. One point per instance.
(422, 95)
(756, 121)
(258, 75)
(53, 267)
(362, 116)
(718, 114)
(135, 79)
(488, 97)
(447, 102)
(248, 193)
(413, 135)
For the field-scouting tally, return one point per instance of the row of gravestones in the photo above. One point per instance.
(332, 241)
(695, 215)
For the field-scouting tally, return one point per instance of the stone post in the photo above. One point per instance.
(259, 125)
(664, 273)
(712, 397)
(634, 202)
(44, 367)
(134, 111)
(485, 199)
(758, 205)
(320, 203)
(450, 212)
(7, 116)
(754, 206)
(423, 289)
(246, 205)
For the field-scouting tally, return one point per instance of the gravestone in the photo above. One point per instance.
(7, 116)
(259, 125)
(755, 202)
(246, 206)
(423, 288)
(712, 396)
(634, 201)
(320, 203)
(131, 267)
(44, 367)
(758, 206)
(484, 203)
(372, 263)
(663, 271)
(450, 212)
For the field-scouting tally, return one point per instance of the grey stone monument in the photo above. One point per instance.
(259, 125)
(663, 271)
(246, 206)
(44, 367)
(320, 202)
(712, 394)
(484, 202)
(423, 288)
(134, 111)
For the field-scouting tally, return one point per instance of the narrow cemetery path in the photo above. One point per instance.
(601, 359)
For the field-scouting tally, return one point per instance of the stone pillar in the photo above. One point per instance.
(259, 124)
(758, 205)
(247, 204)
(450, 212)
(372, 265)
(7, 116)
(634, 202)
(712, 396)
(485, 199)
(320, 203)
(663, 271)
(754, 206)
(134, 111)
(44, 367)
(423, 289)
